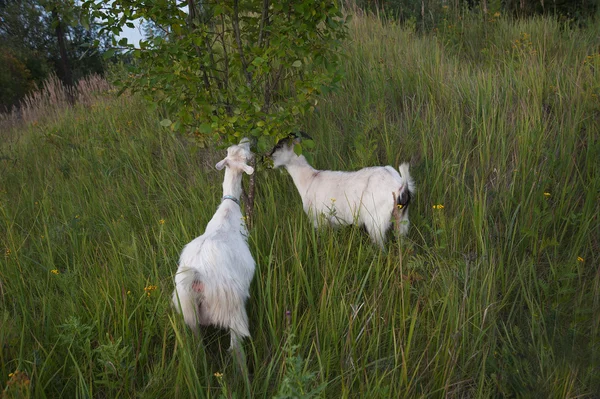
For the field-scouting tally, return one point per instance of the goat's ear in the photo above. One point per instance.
(248, 169)
(221, 164)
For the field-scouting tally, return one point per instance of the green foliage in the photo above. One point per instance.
(429, 14)
(231, 69)
(297, 383)
(30, 48)
(15, 80)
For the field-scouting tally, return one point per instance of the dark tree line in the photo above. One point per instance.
(41, 37)
(427, 12)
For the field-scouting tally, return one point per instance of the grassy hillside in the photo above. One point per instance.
(497, 293)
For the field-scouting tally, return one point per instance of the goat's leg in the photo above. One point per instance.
(236, 349)
(239, 356)
(377, 231)
(186, 303)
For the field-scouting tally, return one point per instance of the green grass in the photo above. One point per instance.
(485, 297)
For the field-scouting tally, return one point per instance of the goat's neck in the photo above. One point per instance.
(302, 173)
(232, 183)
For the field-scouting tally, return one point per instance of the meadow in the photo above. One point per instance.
(495, 292)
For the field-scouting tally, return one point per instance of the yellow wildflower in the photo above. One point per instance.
(496, 14)
(128, 292)
(580, 259)
(547, 194)
(439, 206)
(218, 375)
(149, 289)
(54, 271)
(161, 221)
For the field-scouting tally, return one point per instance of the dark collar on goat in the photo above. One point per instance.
(231, 197)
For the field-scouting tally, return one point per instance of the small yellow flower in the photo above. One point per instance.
(400, 206)
(7, 252)
(149, 289)
(10, 375)
(333, 200)
(54, 271)
(580, 259)
(496, 14)
(128, 292)
(445, 7)
(439, 206)
(547, 194)
(218, 375)
(161, 221)
(76, 216)
(36, 202)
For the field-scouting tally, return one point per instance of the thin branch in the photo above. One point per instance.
(269, 90)
(263, 21)
(192, 18)
(238, 39)
(226, 62)
(213, 64)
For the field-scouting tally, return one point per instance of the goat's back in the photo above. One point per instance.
(343, 194)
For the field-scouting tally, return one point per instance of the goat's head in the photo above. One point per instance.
(238, 157)
(283, 152)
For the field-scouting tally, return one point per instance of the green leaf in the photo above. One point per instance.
(108, 53)
(298, 149)
(297, 64)
(85, 22)
(166, 122)
(308, 143)
(205, 128)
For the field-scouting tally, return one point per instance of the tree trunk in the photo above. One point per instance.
(249, 196)
(67, 76)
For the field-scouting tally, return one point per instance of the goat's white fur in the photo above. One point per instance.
(365, 197)
(215, 270)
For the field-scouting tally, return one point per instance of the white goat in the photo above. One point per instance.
(216, 269)
(367, 197)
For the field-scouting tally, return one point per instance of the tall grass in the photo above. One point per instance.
(51, 101)
(495, 294)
